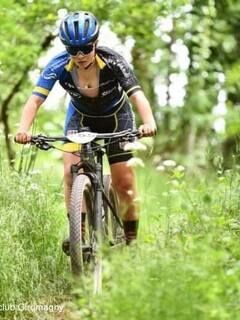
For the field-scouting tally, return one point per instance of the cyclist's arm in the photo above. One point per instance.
(29, 113)
(130, 85)
(139, 100)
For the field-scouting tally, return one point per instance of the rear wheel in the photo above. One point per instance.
(112, 228)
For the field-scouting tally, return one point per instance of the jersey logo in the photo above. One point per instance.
(69, 85)
(105, 93)
(75, 94)
(49, 75)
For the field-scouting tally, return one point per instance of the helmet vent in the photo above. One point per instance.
(76, 30)
(66, 29)
(79, 28)
(86, 27)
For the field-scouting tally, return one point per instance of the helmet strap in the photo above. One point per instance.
(91, 63)
(93, 60)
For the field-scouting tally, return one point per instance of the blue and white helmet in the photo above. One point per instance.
(78, 29)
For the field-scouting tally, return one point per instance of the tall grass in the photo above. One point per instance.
(186, 264)
(32, 224)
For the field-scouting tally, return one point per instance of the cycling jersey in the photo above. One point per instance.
(115, 80)
(122, 119)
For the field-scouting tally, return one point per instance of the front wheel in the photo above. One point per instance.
(85, 243)
(81, 223)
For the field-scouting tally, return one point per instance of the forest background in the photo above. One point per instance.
(186, 55)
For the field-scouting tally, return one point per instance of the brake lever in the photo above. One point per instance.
(41, 144)
(132, 136)
(44, 146)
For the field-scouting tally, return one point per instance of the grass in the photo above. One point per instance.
(32, 224)
(186, 264)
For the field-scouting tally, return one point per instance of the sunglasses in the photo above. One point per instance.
(83, 50)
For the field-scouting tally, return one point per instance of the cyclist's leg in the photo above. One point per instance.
(123, 180)
(123, 176)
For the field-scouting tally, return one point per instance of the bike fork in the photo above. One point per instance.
(98, 205)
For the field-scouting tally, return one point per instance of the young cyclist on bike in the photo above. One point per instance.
(100, 84)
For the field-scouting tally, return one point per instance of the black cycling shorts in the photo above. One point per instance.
(121, 119)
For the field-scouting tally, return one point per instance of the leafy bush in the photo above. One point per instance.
(186, 265)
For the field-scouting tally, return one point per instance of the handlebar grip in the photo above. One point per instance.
(15, 140)
(25, 141)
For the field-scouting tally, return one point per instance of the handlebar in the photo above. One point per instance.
(44, 142)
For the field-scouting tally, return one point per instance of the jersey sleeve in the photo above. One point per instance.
(48, 77)
(125, 75)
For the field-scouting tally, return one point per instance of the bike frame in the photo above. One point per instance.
(91, 164)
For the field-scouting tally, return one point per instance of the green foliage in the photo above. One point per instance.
(186, 265)
(32, 224)
(233, 78)
(24, 31)
(209, 29)
(233, 122)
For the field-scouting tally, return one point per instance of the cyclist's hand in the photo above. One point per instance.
(148, 129)
(22, 137)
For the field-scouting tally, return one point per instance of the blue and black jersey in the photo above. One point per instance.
(115, 80)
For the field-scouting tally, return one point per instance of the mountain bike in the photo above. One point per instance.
(93, 214)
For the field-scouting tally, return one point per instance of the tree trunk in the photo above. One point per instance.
(4, 118)
(7, 101)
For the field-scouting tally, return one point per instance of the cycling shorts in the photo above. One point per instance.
(121, 119)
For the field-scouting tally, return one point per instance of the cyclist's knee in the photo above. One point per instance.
(123, 180)
(125, 188)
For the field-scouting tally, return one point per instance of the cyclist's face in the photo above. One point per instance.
(85, 56)
(80, 50)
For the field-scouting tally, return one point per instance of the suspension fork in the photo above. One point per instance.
(98, 204)
(74, 170)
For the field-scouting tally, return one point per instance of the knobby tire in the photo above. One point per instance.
(81, 202)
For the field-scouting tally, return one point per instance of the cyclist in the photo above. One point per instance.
(101, 86)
